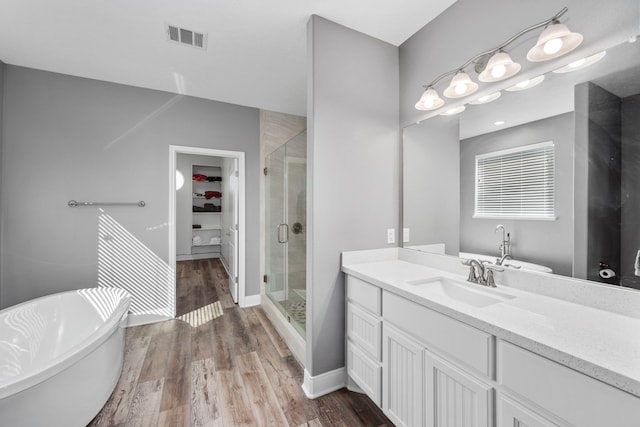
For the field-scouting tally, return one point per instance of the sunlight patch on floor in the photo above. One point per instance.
(203, 315)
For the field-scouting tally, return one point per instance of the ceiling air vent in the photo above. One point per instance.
(186, 37)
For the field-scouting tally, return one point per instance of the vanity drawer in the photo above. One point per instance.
(565, 393)
(365, 372)
(438, 332)
(364, 294)
(365, 330)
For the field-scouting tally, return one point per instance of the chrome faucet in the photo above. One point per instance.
(476, 270)
(502, 259)
(505, 246)
(481, 272)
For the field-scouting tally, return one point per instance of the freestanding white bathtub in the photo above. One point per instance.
(61, 357)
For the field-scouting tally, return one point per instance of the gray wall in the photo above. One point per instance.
(431, 183)
(352, 168)
(73, 138)
(630, 231)
(458, 34)
(549, 243)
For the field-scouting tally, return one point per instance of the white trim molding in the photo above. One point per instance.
(322, 384)
(291, 337)
(174, 150)
(250, 301)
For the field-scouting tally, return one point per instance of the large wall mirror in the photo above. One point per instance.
(591, 117)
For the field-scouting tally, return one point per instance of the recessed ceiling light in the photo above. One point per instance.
(454, 110)
(526, 84)
(499, 122)
(581, 63)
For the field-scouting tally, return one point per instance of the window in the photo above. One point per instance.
(516, 183)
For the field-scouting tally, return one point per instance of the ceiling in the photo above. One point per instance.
(256, 49)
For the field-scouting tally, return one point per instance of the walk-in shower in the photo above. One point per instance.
(286, 219)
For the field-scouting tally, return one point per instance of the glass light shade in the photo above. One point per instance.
(555, 41)
(526, 84)
(455, 110)
(460, 86)
(499, 67)
(487, 98)
(581, 63)
(429, 100)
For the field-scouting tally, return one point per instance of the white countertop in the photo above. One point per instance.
(602, 344)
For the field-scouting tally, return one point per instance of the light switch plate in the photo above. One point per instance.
(405, 235)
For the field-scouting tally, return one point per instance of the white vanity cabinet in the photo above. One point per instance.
(436, 370)
(364, 337)
(559, 393)
(425, 368)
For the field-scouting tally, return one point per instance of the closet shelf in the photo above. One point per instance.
(207, 228)
(207, 244)
(206, 213)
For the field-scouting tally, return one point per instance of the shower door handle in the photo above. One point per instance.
(286, 235)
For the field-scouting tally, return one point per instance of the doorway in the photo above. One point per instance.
(216, 234)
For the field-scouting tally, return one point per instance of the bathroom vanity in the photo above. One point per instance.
(432, 349)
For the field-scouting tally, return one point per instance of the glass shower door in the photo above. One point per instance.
(285, 191)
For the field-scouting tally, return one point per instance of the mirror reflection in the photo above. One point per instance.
(475, 185)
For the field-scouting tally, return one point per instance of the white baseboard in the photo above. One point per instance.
(145, 318)
(196, 256)
(250, 301)
(297, 345)
(324, 383)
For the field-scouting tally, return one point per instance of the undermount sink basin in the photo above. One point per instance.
(464, 292)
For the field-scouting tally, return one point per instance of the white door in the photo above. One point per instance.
(231, 233)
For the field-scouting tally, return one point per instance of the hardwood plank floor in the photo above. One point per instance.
(229, 370)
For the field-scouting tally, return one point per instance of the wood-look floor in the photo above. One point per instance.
(233, 370)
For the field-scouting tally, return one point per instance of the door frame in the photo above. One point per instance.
(174, 150)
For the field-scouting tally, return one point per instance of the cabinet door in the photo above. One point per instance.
(512, 414)
(402, 378)
(454, 397)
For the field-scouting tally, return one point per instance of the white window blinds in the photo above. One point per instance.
(516, 183)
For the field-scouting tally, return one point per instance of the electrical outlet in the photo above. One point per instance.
(405, 235)
(391, 235)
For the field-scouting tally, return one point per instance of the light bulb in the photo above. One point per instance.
(461, 88)
(429, 102)
(552, 46)
(498, 71)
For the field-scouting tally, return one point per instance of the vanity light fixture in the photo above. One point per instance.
(429, 100)
(460, 86)
(499, 67)
(526, 84)
(453, 111)
(496, 64)
(555, 41)
(487, 98)
(581, 63)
